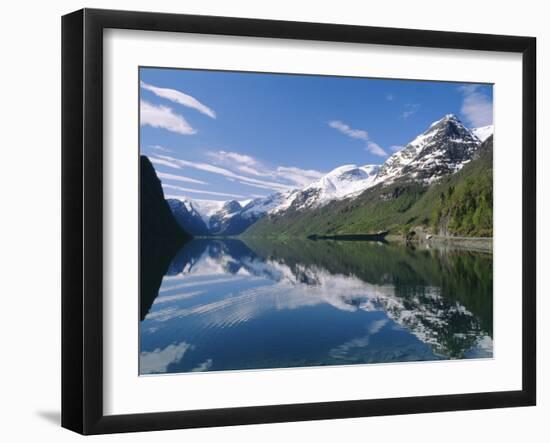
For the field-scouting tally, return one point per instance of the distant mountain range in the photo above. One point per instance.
(443, 150)
(228, 218)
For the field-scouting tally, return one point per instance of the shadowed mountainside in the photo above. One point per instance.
(160, 235)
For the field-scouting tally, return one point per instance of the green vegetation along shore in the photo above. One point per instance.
(458, 205)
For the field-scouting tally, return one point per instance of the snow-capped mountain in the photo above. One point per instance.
(272, 203)
(188, 216)
(483, 132)
(342, 182)
(223, 221)
(204, 208)
(207, 208)
(232, 218)
(444, 148)
(203, 217)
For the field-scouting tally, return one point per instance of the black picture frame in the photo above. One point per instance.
(82, 220)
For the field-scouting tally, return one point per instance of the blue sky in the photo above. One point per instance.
(215, 135)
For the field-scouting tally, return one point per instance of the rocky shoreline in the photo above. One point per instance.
(481, 244)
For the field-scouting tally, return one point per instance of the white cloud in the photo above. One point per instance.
(181, 178)
(259, 185)
(164, 117)
(198, 165)
(250, 170)
(163, 298)
(235, 156)
(377, 325)
(158, 360)
(302, 177)
(241, 162)
(163, 162)
(200, 191)
(347, 130)
(204, 366)
(180, 98)
(477, 107)
(410, 109)
(249, 165)
(264, 184)
(376, 149)
(176, 297)
(359, 134)
(345, 351)
(160, 148)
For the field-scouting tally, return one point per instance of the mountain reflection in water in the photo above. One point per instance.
(227, 305)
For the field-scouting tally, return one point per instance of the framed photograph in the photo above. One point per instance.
(269, 221)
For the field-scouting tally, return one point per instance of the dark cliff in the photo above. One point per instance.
(160, 235)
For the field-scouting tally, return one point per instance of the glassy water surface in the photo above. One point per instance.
(231, 305)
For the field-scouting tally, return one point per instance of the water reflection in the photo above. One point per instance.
(225, 305)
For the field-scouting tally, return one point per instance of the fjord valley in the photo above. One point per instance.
(309, 221)
(253, 271)
(439, 184)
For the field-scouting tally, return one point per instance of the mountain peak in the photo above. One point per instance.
(347, 173)
(231, 206)
(341, 170)
(440, 150)
(341, 182)
(371, 169)
(445, 120)
(450, 117)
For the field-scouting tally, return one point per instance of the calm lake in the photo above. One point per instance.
(230, 305)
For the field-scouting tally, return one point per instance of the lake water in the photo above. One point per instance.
(229, 305)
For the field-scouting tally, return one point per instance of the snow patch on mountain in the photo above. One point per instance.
(342, 182)
(243, 203)
(205, 208)
(187, 216)
(444, 148)
(272, 203)
(484, 132)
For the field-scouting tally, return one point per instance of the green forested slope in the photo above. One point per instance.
(460, 204)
